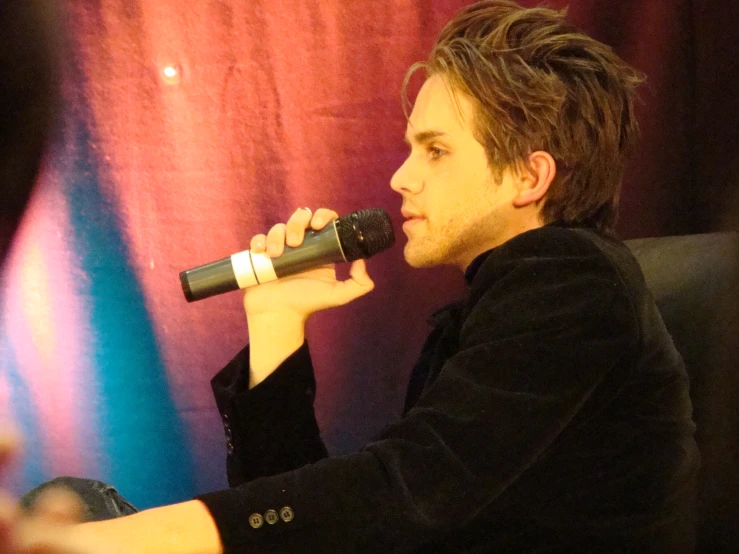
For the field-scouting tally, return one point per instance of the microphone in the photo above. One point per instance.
(360, 234)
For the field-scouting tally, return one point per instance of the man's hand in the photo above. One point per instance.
(48, 529)
(277, 311)
(9, 447)
(311, 291)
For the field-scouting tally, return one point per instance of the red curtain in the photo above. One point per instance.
(191, 126)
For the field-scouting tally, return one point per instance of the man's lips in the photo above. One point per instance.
(408, 214)
(412, 218)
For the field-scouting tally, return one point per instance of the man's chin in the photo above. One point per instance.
(415, 258)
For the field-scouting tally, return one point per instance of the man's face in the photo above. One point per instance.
(453, 207)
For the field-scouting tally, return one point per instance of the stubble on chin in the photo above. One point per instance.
(409, 256)
(422, 254)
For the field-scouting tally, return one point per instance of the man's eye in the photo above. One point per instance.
(435, 152)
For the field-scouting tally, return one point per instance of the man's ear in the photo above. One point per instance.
(535, 179)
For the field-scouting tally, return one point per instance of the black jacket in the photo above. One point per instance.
(548, 412)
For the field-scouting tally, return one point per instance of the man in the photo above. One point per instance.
(548, 410)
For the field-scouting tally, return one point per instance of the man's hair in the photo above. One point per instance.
(28, 97)
(540, 84)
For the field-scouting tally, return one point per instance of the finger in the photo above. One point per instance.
(59, 505)
(358, 274)
(38, 536)
(296, 226)
(276, 240)
(10, 445)
(358, 284)
(8, 516)
(258, 244)
(322, 217)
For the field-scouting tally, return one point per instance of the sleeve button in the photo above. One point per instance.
(271, 517)
(287, 514)
(256, 521)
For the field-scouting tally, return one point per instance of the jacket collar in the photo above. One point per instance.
(474, 267)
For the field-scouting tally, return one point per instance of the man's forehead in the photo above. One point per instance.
(422, 135)
(438, 109)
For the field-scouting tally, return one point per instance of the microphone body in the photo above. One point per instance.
(357, 235)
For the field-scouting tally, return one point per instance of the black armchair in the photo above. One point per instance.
(694, 281)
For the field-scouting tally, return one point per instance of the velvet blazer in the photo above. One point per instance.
(548, 412)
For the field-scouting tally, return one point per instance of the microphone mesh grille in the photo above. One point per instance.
(365, 233)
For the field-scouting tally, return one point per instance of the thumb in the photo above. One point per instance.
(8, 518)
(60, 505)
(358, 284)
(10, 445)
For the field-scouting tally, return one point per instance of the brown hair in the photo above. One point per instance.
(540, 84)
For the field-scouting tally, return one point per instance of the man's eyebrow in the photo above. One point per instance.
(424, 136)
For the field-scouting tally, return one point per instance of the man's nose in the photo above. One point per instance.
(406, 178)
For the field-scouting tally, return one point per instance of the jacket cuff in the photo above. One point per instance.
(232, 382)
(330, 506)
(259, 512)
(272, 427)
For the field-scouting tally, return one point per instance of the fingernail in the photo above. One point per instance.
(292, 239)
(317, 221)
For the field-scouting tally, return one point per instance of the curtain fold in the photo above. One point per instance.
(189, 127)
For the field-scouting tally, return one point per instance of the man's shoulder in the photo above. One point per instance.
(551, 243)
(557, 240)
(558, 254)
(550, 279)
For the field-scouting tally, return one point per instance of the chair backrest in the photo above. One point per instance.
(694, 281)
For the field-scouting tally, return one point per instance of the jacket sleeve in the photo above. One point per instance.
(271, 428)
(535, 343)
